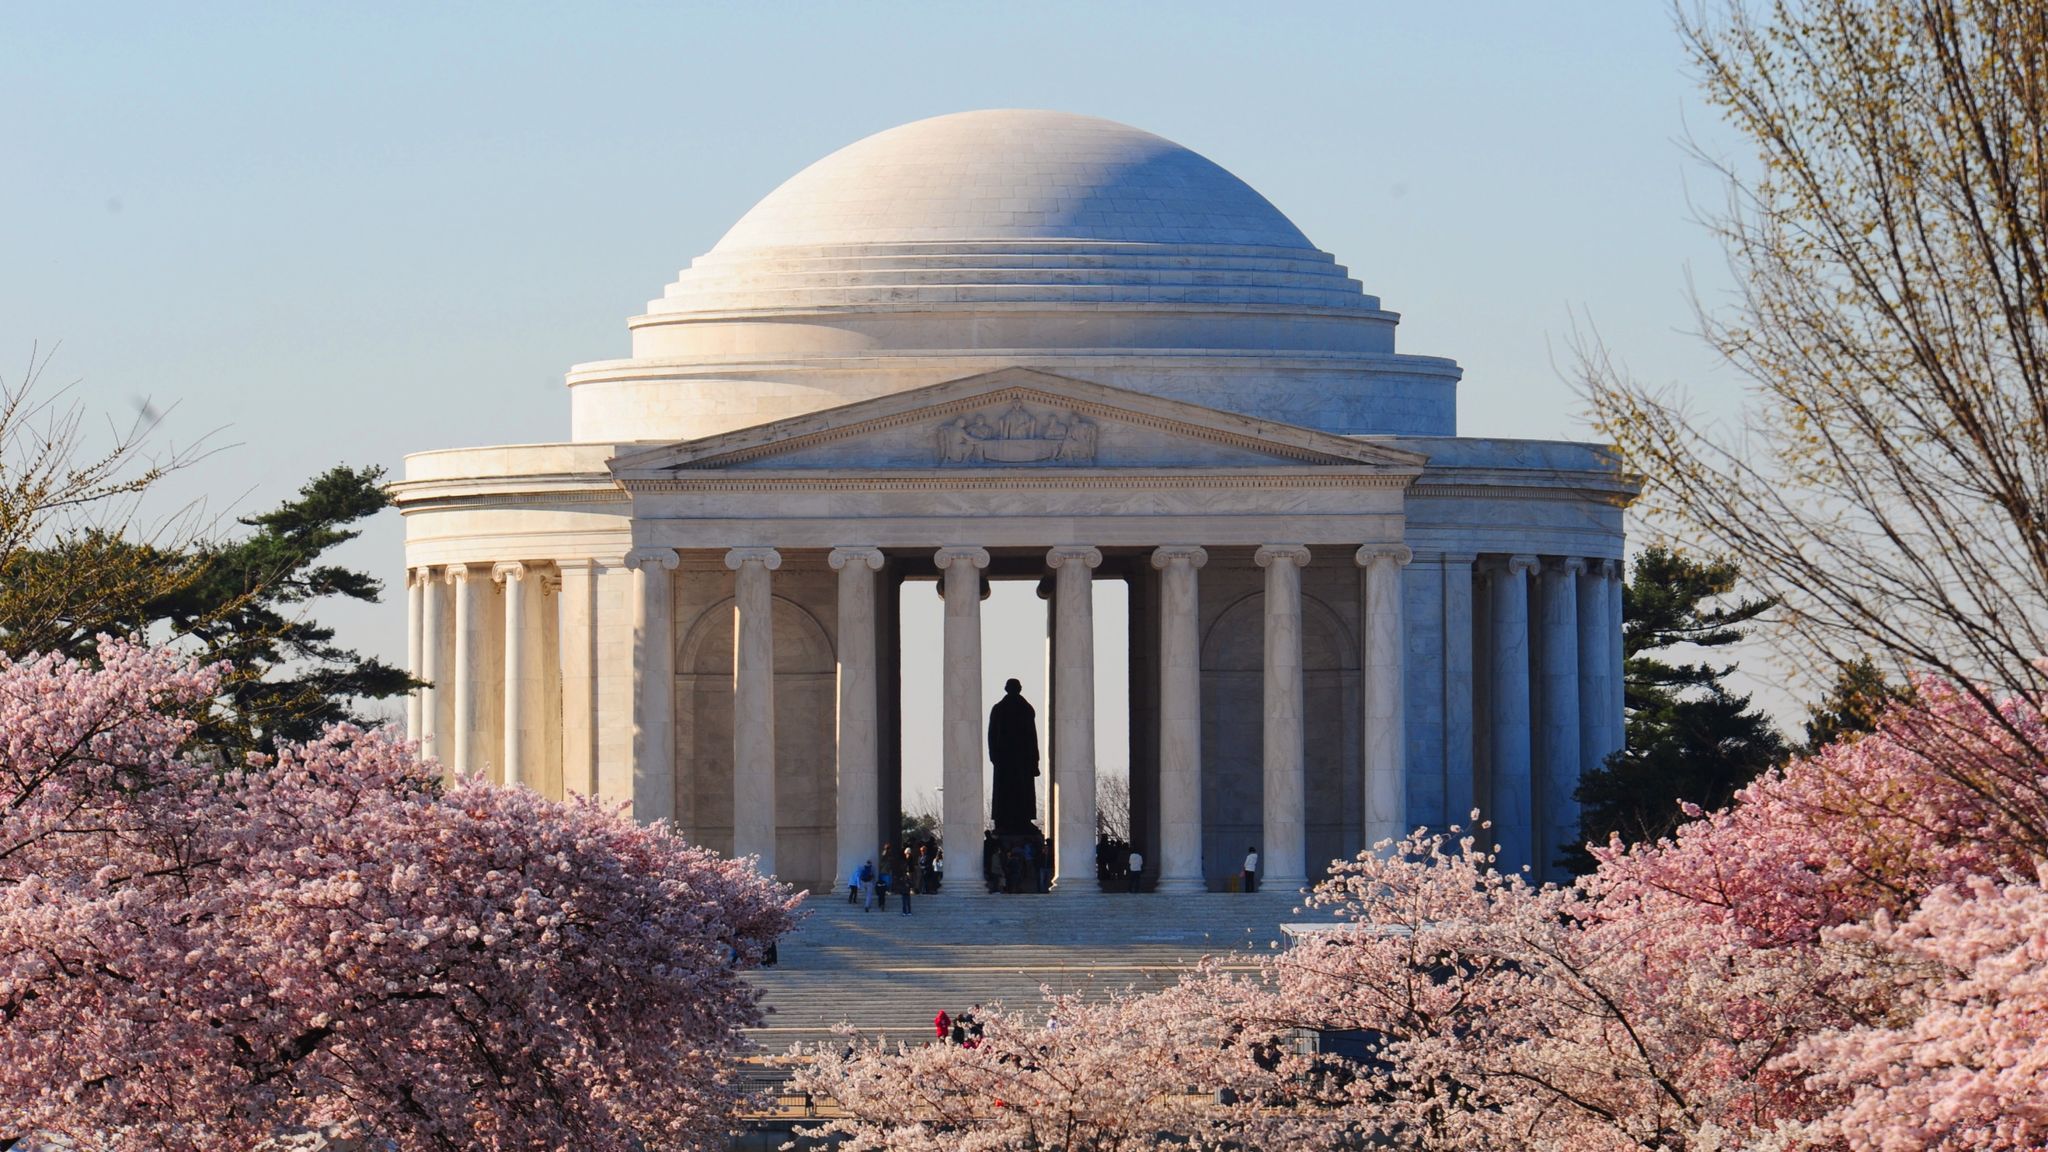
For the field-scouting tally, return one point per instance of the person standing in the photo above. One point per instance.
(1251, 869)
(903, 883)
(867, 886)
(1136, 870)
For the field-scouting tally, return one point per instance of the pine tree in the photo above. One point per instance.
(1689, 737)
(240, 600)
(1860, 695)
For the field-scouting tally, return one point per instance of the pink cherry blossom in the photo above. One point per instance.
(196, 956)
(1852, 955)
(1962, 1060)
(1097, 1074)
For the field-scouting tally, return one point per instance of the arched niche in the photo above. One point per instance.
(806, 718)
(1233, 733)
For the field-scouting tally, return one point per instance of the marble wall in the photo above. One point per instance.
(806, 707)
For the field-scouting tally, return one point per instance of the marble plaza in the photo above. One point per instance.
(1041, 346)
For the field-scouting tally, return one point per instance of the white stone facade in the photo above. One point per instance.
(1021, 344)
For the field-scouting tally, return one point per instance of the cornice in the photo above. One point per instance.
(724, 365)
(579, 488)
(1050, 303)
(953, 479)
(1602, 490)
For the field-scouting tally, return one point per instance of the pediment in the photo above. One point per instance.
(1014, 419)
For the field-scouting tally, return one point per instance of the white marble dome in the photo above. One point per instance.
(1012, 207)
(967, 242)
(1013, 175)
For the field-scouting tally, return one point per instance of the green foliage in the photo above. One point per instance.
(1689, 737)
(243, 600)
(923, 826)
(1859, 696)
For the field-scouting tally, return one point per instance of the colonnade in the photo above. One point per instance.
(1552, 678)
(452, 646)
(1550, 711)
(1179, 852)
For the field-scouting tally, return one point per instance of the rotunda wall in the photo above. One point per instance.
(1388, 395)
(1076, 327)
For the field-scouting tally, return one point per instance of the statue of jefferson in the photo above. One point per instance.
(1013, 749)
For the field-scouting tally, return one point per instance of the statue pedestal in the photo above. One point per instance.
(1016, 862)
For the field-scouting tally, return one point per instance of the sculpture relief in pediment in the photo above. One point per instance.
(1017, 435)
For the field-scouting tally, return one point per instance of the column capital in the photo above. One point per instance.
(1270, 554)
(578, 564)
(1194, 555)
(1574, 564)
(1400, 554)
(1460, 557)
(1086, 555)
(455, 573)
(550, 583)
(768, 558)
(960, 553)
(1514, 565)
(419, 576)
(1608, 567)
(842, 557)
(505, 570)
(642, 557)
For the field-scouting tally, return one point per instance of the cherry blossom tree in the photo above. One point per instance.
(1507, 1016)
(1963, 1062)
(1103, 1074)
(197, 957)
(1853, 954)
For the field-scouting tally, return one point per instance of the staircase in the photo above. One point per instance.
(886, 973)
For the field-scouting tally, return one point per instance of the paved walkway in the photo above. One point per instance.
(888, 973)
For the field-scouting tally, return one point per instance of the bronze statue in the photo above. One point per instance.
(1013, 749)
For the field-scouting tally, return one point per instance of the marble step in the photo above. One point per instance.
(886, 973)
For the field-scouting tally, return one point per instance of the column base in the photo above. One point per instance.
(1281, 883)
(1181, 884)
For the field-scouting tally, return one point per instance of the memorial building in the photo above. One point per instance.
(1032, 345)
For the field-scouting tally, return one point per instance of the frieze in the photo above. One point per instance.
(1016, 436)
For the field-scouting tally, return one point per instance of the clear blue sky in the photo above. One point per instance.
(348, 232)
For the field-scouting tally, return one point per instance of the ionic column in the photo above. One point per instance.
(415, 595)
(469, 661)
(579, 675)
(753, 704)
(654, 688)
(1599, 697)
(1073, 717)
(1557, 613)
(960, 813)
(1617, 685)
(1284, 849)
(1180, 719)
(1386, 725)
(859, 781)
(512, 574)
(1508, 628)
(427, 666)
(1459, 795)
